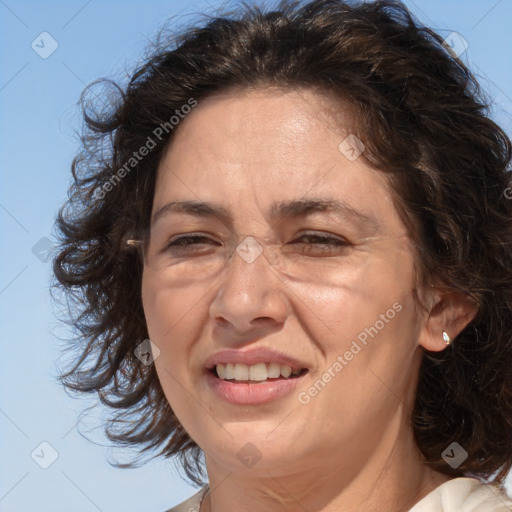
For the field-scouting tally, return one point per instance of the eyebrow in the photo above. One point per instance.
(278, 211)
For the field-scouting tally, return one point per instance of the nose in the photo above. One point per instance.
(250, 299)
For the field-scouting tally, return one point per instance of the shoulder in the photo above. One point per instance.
(465, 495)
(457, 495)
(192, 503)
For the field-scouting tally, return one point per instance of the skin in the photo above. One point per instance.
(351, 447)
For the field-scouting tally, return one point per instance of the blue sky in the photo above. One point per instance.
(38, 117)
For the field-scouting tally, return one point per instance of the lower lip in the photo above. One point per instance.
(243, 393)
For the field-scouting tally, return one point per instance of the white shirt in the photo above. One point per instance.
(464, 495)
(457, 495)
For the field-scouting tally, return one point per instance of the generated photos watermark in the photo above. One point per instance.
(305, 397)
(137, 156)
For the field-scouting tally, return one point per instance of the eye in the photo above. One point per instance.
(188, 243)
(323, 243)
(309, 243)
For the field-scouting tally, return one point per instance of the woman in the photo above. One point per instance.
(320, 303)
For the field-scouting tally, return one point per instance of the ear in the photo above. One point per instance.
(448, 311)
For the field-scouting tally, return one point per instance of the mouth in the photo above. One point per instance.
(255, 374)
(259, 384)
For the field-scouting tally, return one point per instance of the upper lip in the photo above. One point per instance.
(253, 356)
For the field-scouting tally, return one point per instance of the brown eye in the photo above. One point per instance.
(320, 243)
(189, 243)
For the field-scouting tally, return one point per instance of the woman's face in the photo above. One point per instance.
(342, 308)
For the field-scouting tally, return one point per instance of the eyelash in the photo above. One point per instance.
(181, 244)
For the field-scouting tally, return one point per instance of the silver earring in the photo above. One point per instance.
(446, 338)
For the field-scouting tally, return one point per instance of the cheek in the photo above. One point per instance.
(172, 320)
(367, 344)
(356, 297)
(368, 321)
(168, 308)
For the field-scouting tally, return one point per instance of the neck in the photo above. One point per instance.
(391, 478)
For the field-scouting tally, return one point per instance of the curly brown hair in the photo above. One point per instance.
(425, 122)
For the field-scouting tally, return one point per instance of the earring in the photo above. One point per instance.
(446, 338)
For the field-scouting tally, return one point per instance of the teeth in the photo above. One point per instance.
(286, 371)
(241, 372)
(256, 372)
(274, 370)
(230, 371)
(221, 371)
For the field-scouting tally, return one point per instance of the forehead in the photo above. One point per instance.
(259, 147)
(243, 121)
